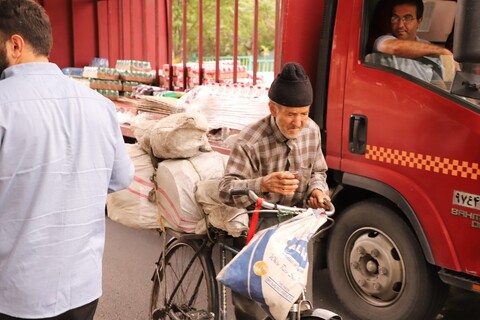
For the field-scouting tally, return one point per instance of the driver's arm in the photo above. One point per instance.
(411, 49)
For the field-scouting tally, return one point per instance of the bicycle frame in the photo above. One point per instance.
(203, 247)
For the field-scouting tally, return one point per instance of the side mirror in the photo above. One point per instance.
(466, 85)
(466, 44)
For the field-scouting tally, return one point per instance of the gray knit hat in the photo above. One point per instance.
(291, 87)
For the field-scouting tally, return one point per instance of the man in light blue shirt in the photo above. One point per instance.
(61, 151)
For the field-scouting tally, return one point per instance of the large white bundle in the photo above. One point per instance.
(176, 184)
(180, 135)
(131, 206)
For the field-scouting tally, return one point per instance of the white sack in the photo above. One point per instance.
(176, 184)
(130, 206)
(141, 131)
(218, 214)
(180, 135)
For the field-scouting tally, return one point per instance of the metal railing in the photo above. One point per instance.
(253, 63)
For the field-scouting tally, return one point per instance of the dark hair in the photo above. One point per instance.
(416, 3)
(29, 20)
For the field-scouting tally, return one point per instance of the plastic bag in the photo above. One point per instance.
(273, 268)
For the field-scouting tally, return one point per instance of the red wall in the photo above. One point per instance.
(112, 29)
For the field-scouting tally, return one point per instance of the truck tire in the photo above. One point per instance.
(377, 267)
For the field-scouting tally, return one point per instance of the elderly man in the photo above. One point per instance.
(278, 157)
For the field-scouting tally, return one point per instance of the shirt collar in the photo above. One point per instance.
(31, 68)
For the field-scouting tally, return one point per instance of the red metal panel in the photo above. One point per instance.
(149, 48)
(300, 38)
(217, 44)
(113, 32)
(136, 29)
(337, 80)
(255, 42)
(279, 5)
(185, 44)
(85, 31)
(162, 43)
(59, 12)
(200, 41)
(102, 18)
(124, 26)
(169, 9)
(235, 40)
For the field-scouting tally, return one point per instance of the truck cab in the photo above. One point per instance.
(404, 161)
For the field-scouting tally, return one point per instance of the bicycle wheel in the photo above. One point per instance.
(187, 288)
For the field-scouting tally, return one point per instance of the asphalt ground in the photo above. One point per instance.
(129, 261)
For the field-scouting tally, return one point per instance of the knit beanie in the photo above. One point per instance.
(291, 87)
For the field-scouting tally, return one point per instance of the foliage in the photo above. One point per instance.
(266, 27)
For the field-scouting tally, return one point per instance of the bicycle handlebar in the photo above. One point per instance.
(268, 205)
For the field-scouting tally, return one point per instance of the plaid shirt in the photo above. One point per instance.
(261, 149)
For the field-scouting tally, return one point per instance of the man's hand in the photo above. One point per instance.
(316, 200)
(282, 182)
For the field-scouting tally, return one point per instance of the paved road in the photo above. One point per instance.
(128, 264)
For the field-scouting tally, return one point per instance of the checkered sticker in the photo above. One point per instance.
(457, 168)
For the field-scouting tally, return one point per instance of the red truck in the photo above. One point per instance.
(403, 153)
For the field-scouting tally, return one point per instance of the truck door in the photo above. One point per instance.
(411, 150)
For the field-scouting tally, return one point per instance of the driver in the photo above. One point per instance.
(403, 42)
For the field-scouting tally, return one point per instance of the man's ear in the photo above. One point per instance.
(15, 46)
(273, 110)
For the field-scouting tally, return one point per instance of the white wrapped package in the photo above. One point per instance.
(176, 185)
(131, 206)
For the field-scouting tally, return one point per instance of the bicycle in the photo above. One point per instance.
(184, 280)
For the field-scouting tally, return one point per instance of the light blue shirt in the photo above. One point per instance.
(426, 68)
(61, 149)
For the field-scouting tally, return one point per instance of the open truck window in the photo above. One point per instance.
(437, 27)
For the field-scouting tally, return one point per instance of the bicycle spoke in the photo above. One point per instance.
(187, 285)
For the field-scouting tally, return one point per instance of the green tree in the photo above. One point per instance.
(266, 27)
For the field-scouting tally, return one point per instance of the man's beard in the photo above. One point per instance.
(3, 58)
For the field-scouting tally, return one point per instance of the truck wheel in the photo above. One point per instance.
(377, 267)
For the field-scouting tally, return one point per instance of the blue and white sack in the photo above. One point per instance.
(273, 268)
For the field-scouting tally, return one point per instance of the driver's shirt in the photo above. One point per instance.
(427, 68)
